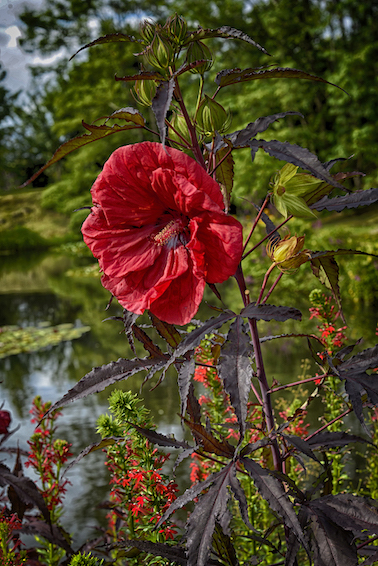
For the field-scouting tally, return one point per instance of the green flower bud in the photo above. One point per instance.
(148, 31)
(160, 54)
(287, 254)
(144, 91)
(198, 51)
(176, 27)
(212, 117)
(179, 124)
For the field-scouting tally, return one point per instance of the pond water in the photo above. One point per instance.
(52, 288)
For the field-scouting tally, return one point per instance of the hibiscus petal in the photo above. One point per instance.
(222, 239)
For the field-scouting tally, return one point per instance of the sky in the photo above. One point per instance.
(13, 59)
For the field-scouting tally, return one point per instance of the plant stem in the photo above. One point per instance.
(256, 220)
(266, 237)
(192, 131)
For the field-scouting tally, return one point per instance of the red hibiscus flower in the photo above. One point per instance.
(159, 231)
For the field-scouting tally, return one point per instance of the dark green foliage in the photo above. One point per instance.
(20, 239)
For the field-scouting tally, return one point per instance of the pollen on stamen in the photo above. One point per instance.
(173, 228)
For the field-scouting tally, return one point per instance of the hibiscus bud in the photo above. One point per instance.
(148, 31)
(176, 27)
(198, 51)
(287, 252)
(212, 117)
(179, 124)
(144, 91)
(160, 54)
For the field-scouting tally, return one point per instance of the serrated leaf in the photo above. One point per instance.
(184, 379)
(108, 441)
(233, 76)
(225, 32)
(301, 445)
(54, 534)
(211, 507)
(174, 554)
(271, 489)
(358, 198)
(332, 545)
(328, 439)
(158, 438)
(101, 377)
(225, 175)
(208, 442)
(358, 382)
(240, 138)
(224, 547)
(187, 497)
(327, 271)
(235, 370)
(270, 312)
(193, 406)
(240, 497)
(142, 75)
(160, 105)
(350, 512)
(26, 490)
(166, 330)
(95, 133)
(109, 38)
(299, 156)
(193, 339)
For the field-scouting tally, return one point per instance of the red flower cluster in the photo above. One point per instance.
(159, 231)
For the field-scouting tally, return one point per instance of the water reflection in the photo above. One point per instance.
(45, 288)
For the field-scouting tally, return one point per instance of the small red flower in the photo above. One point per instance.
(159, 231)
(5, 420)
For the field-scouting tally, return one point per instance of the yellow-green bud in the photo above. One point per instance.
(212, 117)
(176, 27)
(198, 51)
(180, 126)
(148, 31)
(160, 54)
(144, 91)
(287, 254)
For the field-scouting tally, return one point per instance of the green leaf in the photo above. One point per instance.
(109, 38)
(233, 76)
(95, 133)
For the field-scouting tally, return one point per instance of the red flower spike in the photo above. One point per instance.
(159, 231)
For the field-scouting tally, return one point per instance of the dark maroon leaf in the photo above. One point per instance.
(333, 546)
(241, 137)
(167, 331)
(208, 442)
(100, 377)
(271, 489)
(25, 489)
(129, 318)
(291, 335)
(327, 271)
(95, 133)
(234, 76)
(253, 446)
(158, 438)
(358, 382)
(108, 441)
(329, 439)
(223, 547)
(188, 496)
(239, 495)
(373, 559)
(274, 236)
(235, 369)
(185, 374)
(296, 155)
(337, 204)
(52, 533)
(350, 512)
(143, 75)
(225, 32)
(193, 406)
(301, 445)
(110, 38)
(270, 312)
(174, 554)
(160, 105)
(211, 507)
(193, 339)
